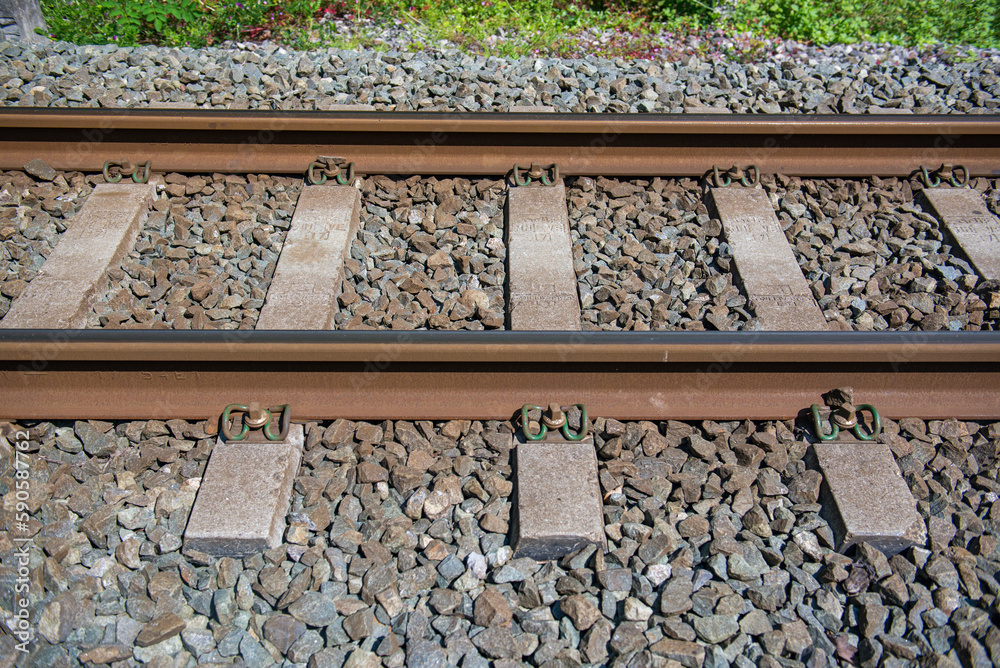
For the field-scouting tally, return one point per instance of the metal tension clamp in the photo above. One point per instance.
(748, 177)
(238, 420)
(553, 418)
(114, 171)
(844, 416)
(330, 167)
(547, 176)
(956, 175)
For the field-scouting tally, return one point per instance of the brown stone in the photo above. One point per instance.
(581, 611)
(405, 478)
(369, 472)
(106, 654)
(692, 526)
(778, 292)
(491, 609)
(491, 523)
(688, 654)
(244, 496)
(558, 508)
(543, 293)
(977, 231)
(797, 637)
(310, 270)
(805, 487)
(360, 625)
(75, 273)
(866, 499)
(162, 628)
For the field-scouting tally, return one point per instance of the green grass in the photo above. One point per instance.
(630, 28)
(905, 22)
(495, 27)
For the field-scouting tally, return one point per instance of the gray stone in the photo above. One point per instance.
(417, 580)
(559, 505)
(542, 282)
(169, 647)
(755, 623)
(964, 213)
(778, 292)
(866, 498)
(805, 487)
(615, 579)
(314, 609)
(244, 496)
(676, 596)
(424, 654)
(310, 271)
(715, 629)
(27, 15)
(75, 273)
(497, 643)
(253, 652)
(40, 169)
(628, 637)
(198, 641)
(309, 643)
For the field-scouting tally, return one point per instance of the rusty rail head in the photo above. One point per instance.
(938, 125)
(721, 348)
(489, 143)
(133, 374)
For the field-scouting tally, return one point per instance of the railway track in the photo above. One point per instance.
(689, 375)
(387, 468)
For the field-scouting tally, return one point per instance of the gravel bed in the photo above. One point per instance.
(430, 255)
(34, 211)
(205, 257)
(836, 80)
(709, 44)
(395, 553)
(649, 257)
(878, 260)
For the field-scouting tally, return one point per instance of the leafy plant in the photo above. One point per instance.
(121, 21)
(908, 22)
(626, 28)
(157, 14)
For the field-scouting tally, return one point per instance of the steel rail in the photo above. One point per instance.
(491, 143)
(135, 374)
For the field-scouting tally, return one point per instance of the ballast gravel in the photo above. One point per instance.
(649, 257)
(395, 553)
(395, 550)
(430, 255)
(878, 259)
(205, 257)
(836, 80)
(35, 208)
